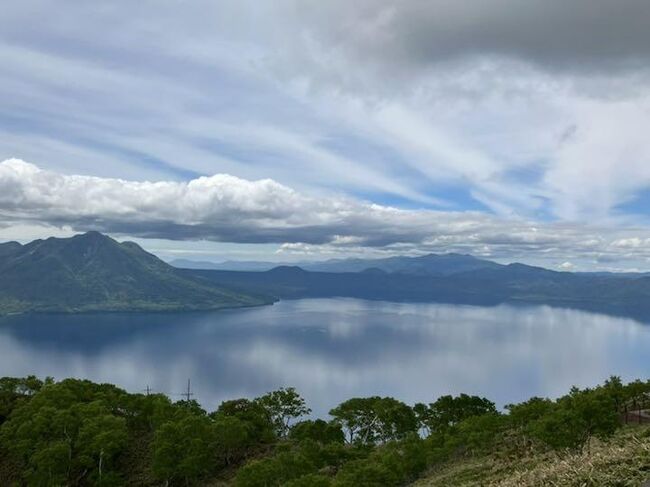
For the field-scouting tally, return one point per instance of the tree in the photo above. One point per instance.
(375, 419)
(255, 416)
(283, 406)
(318, 430)
(231, 438)
(406, 458)
(448, 410)
(355, 416)
(637, 390)
(523, 414)
(184, 449)
(423, 416)
(101, 438)
(633, 395)
(576, 418)
(13, 391)
(616, 390)
(259, 473)
(148, 413)
(477, 434)
(191, 406)
(523, 417)
(274, 471)
(67, 432)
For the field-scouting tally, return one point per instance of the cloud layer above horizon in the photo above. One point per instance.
(363, 127)
(224, 208)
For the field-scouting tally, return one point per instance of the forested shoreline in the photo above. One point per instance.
(79, 433)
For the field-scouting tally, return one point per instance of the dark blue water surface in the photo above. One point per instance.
(334, 349)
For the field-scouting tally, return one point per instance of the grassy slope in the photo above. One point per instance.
(622, 461)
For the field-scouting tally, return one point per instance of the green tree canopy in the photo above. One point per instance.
(184, 449)
(259, 424)
(68, 431)
(317, 430)
(576, 418)
(375, 419)
(232, 438)
(283, 406)
(448, 411)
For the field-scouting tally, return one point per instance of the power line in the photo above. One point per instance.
(187, 394)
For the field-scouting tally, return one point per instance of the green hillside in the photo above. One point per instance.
(78, 433)
(93, 272)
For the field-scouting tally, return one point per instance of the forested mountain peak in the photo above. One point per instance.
(92, 271)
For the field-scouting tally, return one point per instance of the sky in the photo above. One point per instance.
(292, 130)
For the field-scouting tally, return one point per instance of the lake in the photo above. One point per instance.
(334, 349)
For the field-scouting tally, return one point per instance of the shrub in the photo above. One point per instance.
(576, 418)
(318, 430)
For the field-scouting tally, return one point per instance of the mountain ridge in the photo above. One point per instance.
(434, 264)
(394, 264)
(507, 284)
(93, 272)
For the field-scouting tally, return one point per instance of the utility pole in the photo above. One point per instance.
(188, 395)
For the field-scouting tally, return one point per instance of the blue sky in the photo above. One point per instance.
(331, 129)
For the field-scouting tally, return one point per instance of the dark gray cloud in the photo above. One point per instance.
(572, 35)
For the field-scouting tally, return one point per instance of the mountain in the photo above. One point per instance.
(93, 272)
(9, 248)
(491, 285)
(431, 264)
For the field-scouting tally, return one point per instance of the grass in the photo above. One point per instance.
(623, 461)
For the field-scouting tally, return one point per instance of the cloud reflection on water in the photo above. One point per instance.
(333, 349)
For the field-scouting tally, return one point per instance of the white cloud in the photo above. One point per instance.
(224, 208)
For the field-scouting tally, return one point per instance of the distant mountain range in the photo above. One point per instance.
(426, 265)
(92, 272)
(451, 279)
(432, 264)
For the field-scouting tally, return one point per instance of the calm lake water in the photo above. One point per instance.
(334, 349)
